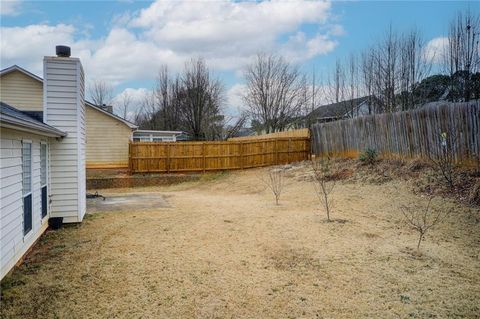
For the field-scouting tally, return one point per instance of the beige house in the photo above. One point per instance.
(108, 135)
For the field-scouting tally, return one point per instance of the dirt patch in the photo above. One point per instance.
(221, 248)
(474, 194)
(128, 181)
(127, 202)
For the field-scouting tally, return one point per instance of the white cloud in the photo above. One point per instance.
(137, 97)
(299, 47)
(435, 49)
(26, 46)
(230, 32)
(226, 34)
(234, 101)
(10, 7)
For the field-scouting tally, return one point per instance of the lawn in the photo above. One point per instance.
(221, 248)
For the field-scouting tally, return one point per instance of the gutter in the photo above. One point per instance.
(21, 125)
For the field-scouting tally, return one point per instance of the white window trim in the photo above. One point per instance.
(30, 233)
(42, 220)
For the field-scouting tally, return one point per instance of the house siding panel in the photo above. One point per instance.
(107, 140)
(68, 105)
(13, 244)
(21, 91)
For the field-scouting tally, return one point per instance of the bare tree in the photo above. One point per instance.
(414, 67)
(423, 219)
(367, 75)
(191, 101)
(353, 87)
(323, 183)
(202, 100)
(101, 92)
(238, 124)
(334, 90)
(461, 57)
(275, 181)
(168, 95)
(387, 67)
(147, 115)
(275, 93)
(124, 101)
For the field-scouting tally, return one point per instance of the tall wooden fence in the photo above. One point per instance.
(207, 156)
(405, 134)
(304, 132)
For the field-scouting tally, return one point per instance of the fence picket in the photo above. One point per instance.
(403, 134)
(207, 156)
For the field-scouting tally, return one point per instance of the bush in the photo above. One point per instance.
(369, 156)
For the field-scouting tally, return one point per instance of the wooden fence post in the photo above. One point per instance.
(276, 152)
(288, 150)
(264, 151)
(130, 166)
(204, 157)
(242, 158)
(167, 162)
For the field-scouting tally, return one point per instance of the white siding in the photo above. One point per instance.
(13, 244)
(64, 108)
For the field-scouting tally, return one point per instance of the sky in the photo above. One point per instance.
(125, 42)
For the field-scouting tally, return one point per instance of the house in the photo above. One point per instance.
(42, 158)
(107, 136)
(158, 136)
(341, 110)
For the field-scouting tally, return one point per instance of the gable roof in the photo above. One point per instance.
(10, 117)
(336, 110)
(98, 108)
(90, 104)
(22, 70)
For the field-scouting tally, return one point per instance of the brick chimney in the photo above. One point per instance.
(64, 108)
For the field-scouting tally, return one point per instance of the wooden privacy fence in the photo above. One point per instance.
(405, 134)
(304, 132)
(207, 156)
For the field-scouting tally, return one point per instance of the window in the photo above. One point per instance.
(43, 178)
(27, 186)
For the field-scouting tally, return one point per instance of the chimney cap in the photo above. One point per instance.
(63, 51)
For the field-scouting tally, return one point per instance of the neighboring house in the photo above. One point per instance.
(108, 135)
(341, 110)
(157, 136)
(245, 131)
(42, 162)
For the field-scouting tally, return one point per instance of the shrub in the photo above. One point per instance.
(423, 219)
(275, 180)
(369, 156)
(323, 183)
(441, 154)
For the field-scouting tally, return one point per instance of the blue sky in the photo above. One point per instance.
(124, 42)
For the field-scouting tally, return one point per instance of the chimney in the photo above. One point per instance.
(108, 108)
(64, 108)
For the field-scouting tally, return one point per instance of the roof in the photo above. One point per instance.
(336, 110)
(90, 104)
(22, 70)
(98, 108)
(10, 117)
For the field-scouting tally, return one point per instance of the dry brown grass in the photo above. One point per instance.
(222, 249)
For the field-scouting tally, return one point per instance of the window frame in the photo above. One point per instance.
(30, 232)
(44, 144)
